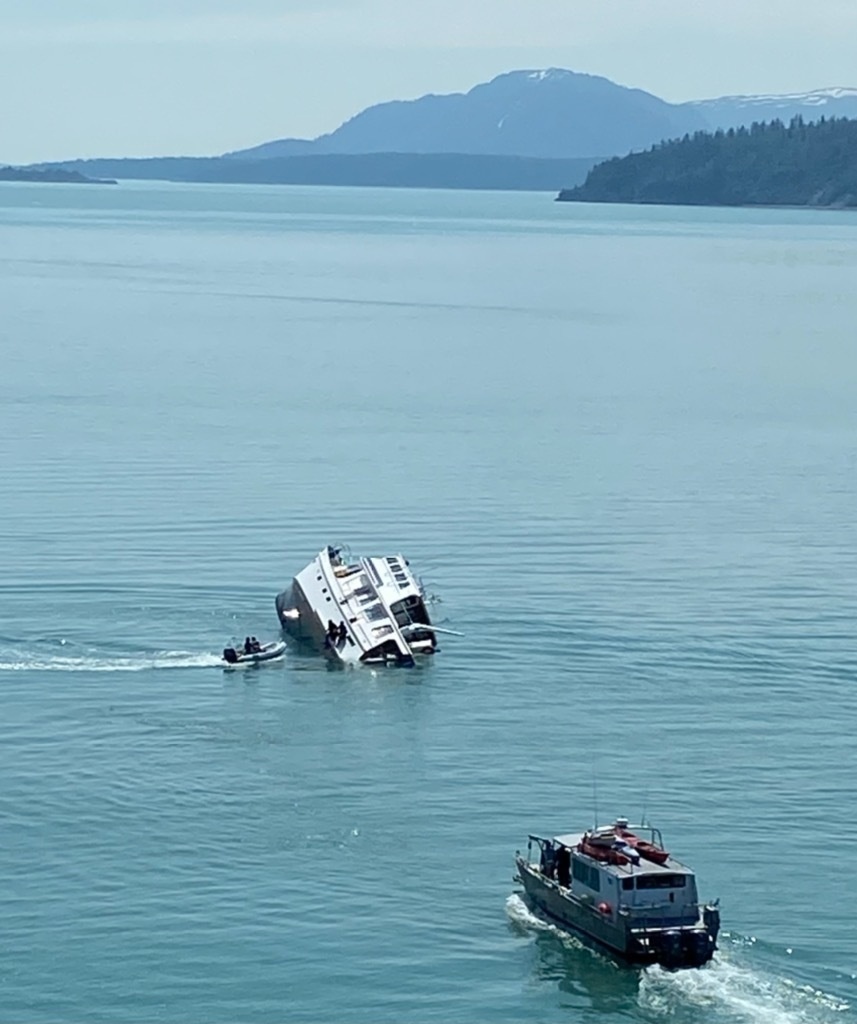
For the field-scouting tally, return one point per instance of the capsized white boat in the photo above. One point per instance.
(617, 886)
(235, 656)
(368, 610)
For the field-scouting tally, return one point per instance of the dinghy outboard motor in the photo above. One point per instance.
(230, 655)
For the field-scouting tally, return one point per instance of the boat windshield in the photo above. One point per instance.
(410, 610)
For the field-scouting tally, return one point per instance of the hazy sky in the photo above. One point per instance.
(153, 77)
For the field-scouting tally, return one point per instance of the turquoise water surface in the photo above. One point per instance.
(619, 445)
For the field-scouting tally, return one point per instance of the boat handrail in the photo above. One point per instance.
(357, 609)
(343, 600)
(370, 566)
(655, 833)
(683, 909)
(541, 840)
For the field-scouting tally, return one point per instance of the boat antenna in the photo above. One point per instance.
(595, 801)
(645, 801)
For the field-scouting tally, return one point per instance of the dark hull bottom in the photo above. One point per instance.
(298, 619)
(674, 949)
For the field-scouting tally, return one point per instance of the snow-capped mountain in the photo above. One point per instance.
(550, 112)
(731, 111)
(522, 129)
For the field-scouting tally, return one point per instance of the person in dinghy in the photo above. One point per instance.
(251, 652)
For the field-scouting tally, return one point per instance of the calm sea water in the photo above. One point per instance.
(619, 446)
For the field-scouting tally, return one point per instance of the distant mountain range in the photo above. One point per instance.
(734, 111)
(553, 114)
(525, 125)
(378, 170)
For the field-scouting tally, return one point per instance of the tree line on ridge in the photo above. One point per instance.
(767, 164)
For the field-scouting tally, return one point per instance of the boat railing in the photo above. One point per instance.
(348, 601)
(646, 832)
(360, 600)
(644, 924)
(540, 840)
(677, 911)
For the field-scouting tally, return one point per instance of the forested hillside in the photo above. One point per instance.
(773, 164)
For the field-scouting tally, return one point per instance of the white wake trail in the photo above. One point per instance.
(731, 991)
(139, 663)
(520, 914)
(723, 991)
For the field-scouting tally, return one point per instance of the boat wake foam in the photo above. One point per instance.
(96, 663)
(724, 990)
(520, 914)
(523, 918)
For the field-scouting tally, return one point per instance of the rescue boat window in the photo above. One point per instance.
(627, 883)
(661, 881)
(586, 874)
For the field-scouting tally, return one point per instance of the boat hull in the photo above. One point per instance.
(298, 618)
(672, 947)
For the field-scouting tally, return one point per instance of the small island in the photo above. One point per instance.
(50, 174)
(773, 164)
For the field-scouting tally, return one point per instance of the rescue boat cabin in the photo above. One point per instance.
(617, 879)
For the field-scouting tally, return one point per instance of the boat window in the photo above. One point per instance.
(386, 651)
(627, 883)
(409, 609)
(375, 612)
(586, 874)
(661, 881)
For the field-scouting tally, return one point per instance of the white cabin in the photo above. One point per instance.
(368, 609)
